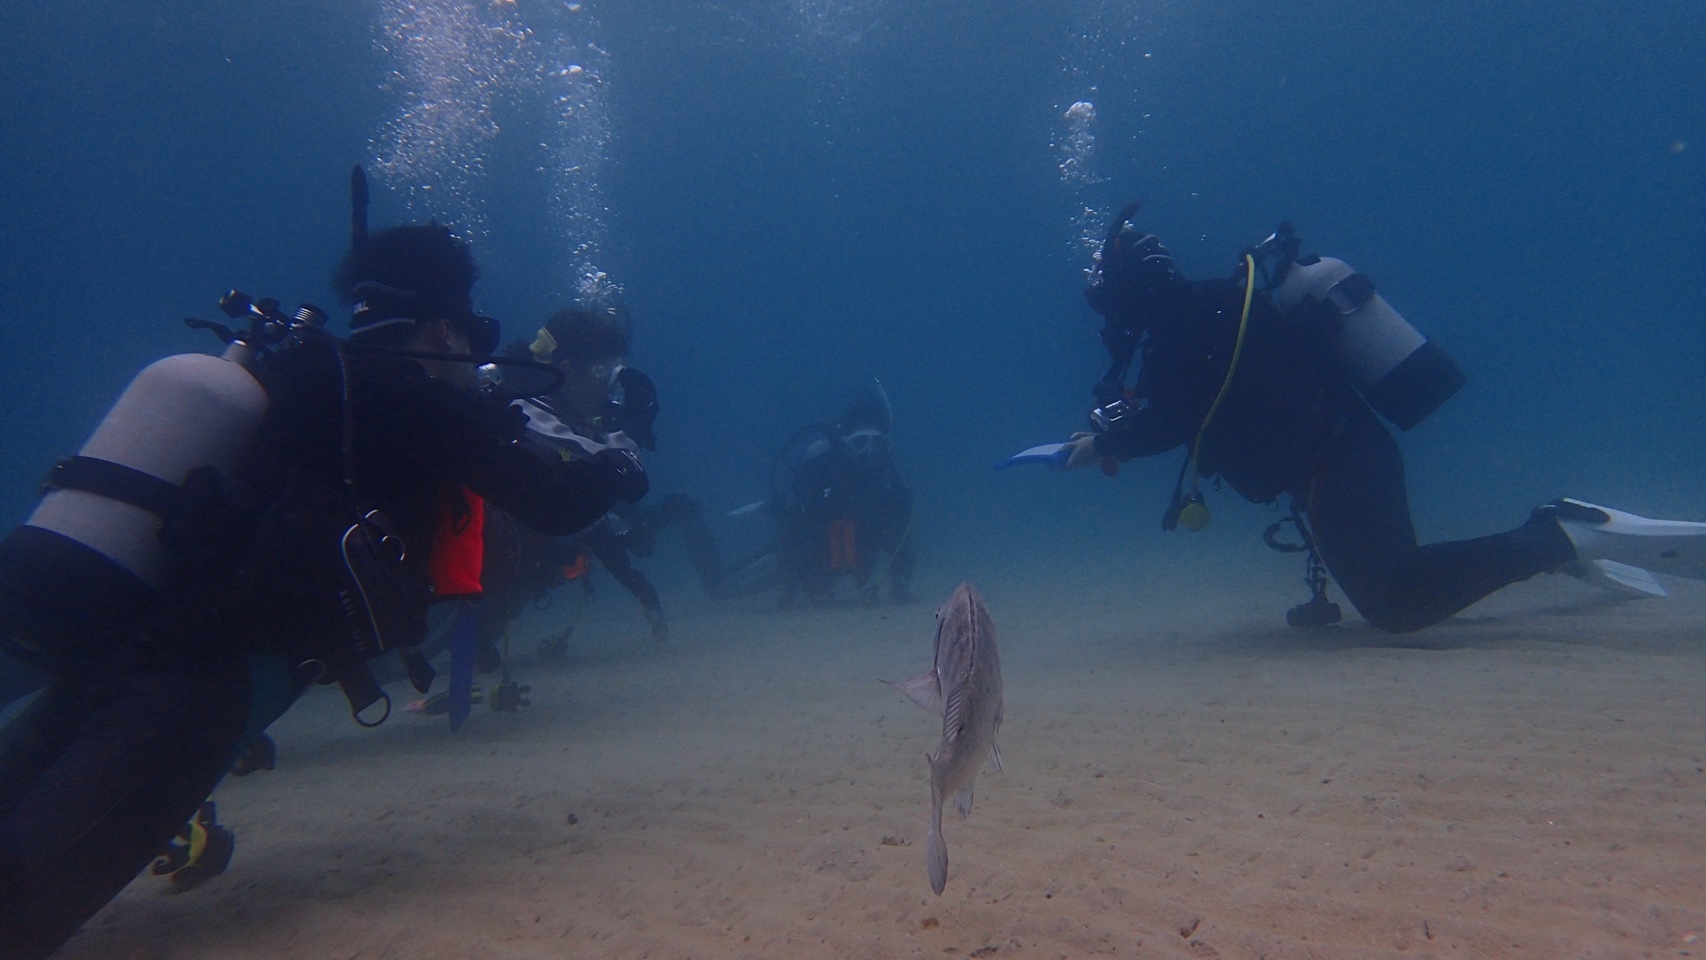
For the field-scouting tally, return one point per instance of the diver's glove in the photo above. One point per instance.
(627, 477)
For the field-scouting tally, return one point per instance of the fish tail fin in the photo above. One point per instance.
(935, 848)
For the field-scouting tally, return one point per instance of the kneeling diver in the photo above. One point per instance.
(840, 506)
(1276, 384)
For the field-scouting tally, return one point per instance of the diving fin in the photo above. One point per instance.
(202, 849)
(1675, 547)
(1048, 454)
(1619, 578)
(464, 649)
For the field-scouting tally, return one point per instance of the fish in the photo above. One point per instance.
(963, 685)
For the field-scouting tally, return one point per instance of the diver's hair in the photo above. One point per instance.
(584, 335)
(424, 259)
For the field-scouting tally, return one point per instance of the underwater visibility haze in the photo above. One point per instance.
(798, 195)
(795, 196)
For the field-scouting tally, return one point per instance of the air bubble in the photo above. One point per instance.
(453, 67)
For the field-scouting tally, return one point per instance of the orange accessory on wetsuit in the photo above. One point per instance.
(578, 569)
(843, 545)
(458, 545)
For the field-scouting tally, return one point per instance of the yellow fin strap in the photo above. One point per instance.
(198, 840)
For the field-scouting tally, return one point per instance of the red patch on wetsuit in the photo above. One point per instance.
(458, 545)
(843, 545)
(578, 569)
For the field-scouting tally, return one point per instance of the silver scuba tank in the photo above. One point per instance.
(1403, 375)
(90, 557)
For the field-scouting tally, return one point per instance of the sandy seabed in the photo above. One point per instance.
(1185, 777)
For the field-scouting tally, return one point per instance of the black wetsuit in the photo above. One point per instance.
(1291, 423)
(523, 567)
(626, 533)
(844, 514)
(839, 517)
(630, 530)
(137, 729)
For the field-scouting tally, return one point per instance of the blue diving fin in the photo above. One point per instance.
(464, 639)
(1048, 454)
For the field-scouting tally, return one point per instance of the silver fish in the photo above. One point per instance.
(964, 686)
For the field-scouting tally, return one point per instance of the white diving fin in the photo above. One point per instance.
(1619, 578)
(1624, 547)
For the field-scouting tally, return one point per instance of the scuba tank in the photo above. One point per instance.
(94, 553)
(1403, 375)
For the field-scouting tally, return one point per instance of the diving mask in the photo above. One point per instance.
(867, 444)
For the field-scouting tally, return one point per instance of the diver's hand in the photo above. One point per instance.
(1081, 451)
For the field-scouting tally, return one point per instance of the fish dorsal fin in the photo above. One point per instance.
(924, 690)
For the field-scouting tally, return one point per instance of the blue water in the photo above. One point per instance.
(796, 196)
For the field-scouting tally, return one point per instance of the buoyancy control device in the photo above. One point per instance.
(1402, 374)
(120, 521)
(94, 555)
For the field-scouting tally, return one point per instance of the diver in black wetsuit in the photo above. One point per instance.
(144, 717)
(848, 507)
(1278, 402)
(602, 403)
(844, 509)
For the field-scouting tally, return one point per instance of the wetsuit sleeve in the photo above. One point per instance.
(1184, 365)
(1168, 411)
(1144, 433)
(549, 494)
(488, 454)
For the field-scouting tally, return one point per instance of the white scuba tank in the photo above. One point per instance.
(97, 529)
(1402, 374)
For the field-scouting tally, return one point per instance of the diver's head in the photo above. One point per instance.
(1132, 280)
(588, 346)
(412, 287)
(862, 431)
(867, 408)
(600, 391)
(580, 337)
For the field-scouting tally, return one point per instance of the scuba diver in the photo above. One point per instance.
(840, 506)
(603, 403)
(1274, 380)
(237, 528)
(597, 401)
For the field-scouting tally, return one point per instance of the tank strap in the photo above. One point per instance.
(1349, 294)
(115, 481)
